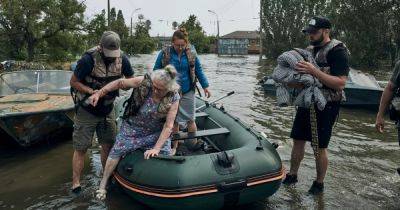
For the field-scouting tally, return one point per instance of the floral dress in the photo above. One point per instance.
(142, 130)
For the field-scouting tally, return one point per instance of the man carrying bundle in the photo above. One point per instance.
(332, 58)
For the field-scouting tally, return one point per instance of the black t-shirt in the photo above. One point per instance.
(338, 60)
(85, 66)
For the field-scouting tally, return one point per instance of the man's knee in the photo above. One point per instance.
(323, 151)
(80, 152)
(299, 144)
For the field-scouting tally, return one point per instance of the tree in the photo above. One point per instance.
(282, 23)
(370, 28)
(197, 36)
(367, 23)
(28, 23)
(113, 15)
(118, 25)
(140, 17)
(95, 28)
(174, 25)
(148, 25)
(140, 42)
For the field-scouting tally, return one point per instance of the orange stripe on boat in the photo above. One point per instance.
(214, 189)
(280, 176)
(126, 185)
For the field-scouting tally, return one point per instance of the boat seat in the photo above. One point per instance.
(200, 114)
(200, 133)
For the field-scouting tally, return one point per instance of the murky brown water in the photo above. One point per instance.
(361, 172)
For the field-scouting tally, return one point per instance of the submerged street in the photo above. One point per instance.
(362, 171)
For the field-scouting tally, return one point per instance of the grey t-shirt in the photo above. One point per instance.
(394, 79)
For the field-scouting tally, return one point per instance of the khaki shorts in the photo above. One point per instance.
(85, 124)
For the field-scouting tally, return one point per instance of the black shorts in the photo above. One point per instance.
(326, 118)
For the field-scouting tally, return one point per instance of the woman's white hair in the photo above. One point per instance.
(168, 76)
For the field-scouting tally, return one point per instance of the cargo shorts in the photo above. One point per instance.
(86, 124)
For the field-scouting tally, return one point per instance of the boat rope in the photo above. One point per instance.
(398, 131)
(314, 131)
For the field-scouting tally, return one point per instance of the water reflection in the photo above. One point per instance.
(361, 173)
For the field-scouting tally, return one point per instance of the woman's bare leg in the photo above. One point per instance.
(175, 143)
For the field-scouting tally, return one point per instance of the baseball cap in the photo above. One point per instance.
(317, 23)
(110, 43)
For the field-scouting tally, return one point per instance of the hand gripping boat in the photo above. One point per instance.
(237, 166)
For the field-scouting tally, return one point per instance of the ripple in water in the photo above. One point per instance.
(361, 173)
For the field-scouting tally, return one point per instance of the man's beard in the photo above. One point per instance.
(318, 42)
(107, 60)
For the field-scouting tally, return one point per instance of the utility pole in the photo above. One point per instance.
(217, 30)
(108, 14)
(217, 36)
(137, 9)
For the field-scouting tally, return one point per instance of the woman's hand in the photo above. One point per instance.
(207, 93)
(151, 153)
(93, 99)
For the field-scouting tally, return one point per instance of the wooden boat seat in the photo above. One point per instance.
(200, 114)
(200, 133)
(24, 98)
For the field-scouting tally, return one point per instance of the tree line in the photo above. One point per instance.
(370, 28)
(57, 30)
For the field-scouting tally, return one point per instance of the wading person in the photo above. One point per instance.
(97, 67)
(183, 57)
(332, 57)
(391, 95)
(148, 119)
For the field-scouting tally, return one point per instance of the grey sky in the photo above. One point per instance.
(233, 14)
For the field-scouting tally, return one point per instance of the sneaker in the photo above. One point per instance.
(316, 188)
(76, 190)
(290, 179)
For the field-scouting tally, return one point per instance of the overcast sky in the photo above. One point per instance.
(233, 14)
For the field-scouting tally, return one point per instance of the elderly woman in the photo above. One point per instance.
(183, 57)
(148, 118)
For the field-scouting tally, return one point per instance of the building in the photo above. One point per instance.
(240, 43)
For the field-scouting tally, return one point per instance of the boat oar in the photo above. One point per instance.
(216, 100)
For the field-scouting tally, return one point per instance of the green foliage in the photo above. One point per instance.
(55, 30)
(30, 23)
(174, 25)
(118, 25)
(370, 28)
(95, 28)
(197, 36)
(140, 42)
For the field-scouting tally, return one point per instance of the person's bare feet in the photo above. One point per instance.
(101, 194)
(173, 151)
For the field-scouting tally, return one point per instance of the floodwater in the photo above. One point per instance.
(361, 172)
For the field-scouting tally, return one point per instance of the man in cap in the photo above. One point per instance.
(96, 68)
(332, 57)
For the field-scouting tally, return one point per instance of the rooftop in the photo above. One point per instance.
(242, 35)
